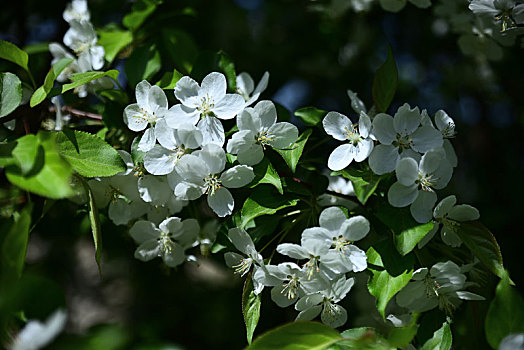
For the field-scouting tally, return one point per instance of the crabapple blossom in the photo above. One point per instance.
(246, 87)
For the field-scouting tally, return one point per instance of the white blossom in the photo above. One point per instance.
(246, 87)
(82, 39)
(36, 335)
(76, 10)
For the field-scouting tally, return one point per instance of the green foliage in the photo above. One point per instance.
(298, 335)
(14, 248)
(94, 220)
(26, 152)
(169, 80)
(10, 93)
(208, 61)
(88, 154)
(264, 201)
(390, 272)
(49, 176)
(180, 48)
(505, 314)
(406, 231)
(400, 337)
(250, 308)
(362, 338)
(483, 244)
(41, 93)
(11, 52)
(143, 63)
(292, 155)
(364, 181)
(79, 79)
(140, 11)
(266, 174)
(442, 339)
(113, 41)
(385, 82)
(310, 116)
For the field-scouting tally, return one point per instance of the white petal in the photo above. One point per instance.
(450, 237)
(154, 189)
(383, 128)
(464, 212)
(237, 176)
(422, 207)
(134, 119)
(400, 196)
(451, 156)
(229, 106)
(443, 174)
(143, 231)
(212, 131)
(188, 191)
(406, 120)
(147, 141)
(284, 134)
(171, 225)
(355, 228)
(309, 313)
(142, 92)
(341, 157)
(444, 123)
(221, 202)
(159, 161)
(364, 125)
(249, 120)
(233, 259)
(251, 155)
(363, 150)
(383, 159)
(186, 91)
(280, 298)
(444, 206)
(179, 115)
(192, 168)
(267, 113)
(147, 251)
(293, 251)
(97, 57)
(214, 157)
(175, 256)
(214, 85)
(241, 240)
(245, 83)
(358, 258)
(189, 136)
(165, 134)
(336, 125)
(426, 138)
(430, 162)
(407, 171)
(332, 219)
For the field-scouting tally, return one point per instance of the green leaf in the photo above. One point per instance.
(362, 338)
(169, 80)
(364, 181)
(385, 82)
(401, 337)
(505, 314)
(95, 223)
(392, 5)
(423, 4)
(297, 335)
(6, 154)
(390, 272)
(310, 116)
(79, 79)
(483, 244)
(250, 308)
(50, 175)
(12, 53)
(14, 248)
(442, 339)
(26, 152)
(143, 64)
(263, 201)
(406, 231)
(10, 93)
(88, 154)
(139, 12)
(266, 174)
(292, 155)
(41, 93)
(209, 61)
(113, 41)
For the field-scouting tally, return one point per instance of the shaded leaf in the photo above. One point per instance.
(169, 80)
(41, 93)
(12, 53)
(264, 200)
(385, 81)
(113, 41)
(250, 308)
(139, 12)
(310, 116)
(10, 93)
(143, 64)
(94, 220)
(364, 181)
(292, 155)
(265, 173)
(442, 339)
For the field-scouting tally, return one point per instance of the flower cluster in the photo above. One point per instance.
(81, 38)
(509, 13)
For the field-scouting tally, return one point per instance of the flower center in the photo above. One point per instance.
(340, 244)
(403, 142)
(166, 244)
(176, 154)
(243, 267)
(291, 287)
(211, 184)
(145, 117)
(352, 134)
(427, 182)
(449, 130)
(206, 106)
(311, 266)
(264, 138)
(432, 287)
(506, 19)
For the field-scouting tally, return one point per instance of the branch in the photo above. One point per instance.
(77, 113)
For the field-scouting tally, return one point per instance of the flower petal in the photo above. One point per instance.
(335, 316)
(355, 228)
(363, 150)
(147, 141)
(383, 128)
(156, 99)
(284, 134)
(241, 240)
(237, 176)
(165, 134)
(364, 125)
(267, 113)
(464, 212)
(142, 93)
(422, 208)
(401, 196)
(214, 86)
(221, 202)
(407, 171)
(444, 206)
(383, 159)
(294, 251)
(180, 115)
(341, 157)
(251, 155)
(186, 91)
(214, 157)
(406, 120)
(148, 250)
(426, 138)
(229, 106)
(134, 119)
(143, 231)
(212, 131)
(159, 161)
(336, 125)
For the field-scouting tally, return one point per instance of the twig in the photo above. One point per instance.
(77, 113)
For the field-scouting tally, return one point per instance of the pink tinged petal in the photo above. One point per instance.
(147, 141)
(407, 171)
(383, 128)
(214, 157)
(401, 196)
(212, 131)
(363, 149)
(336, 125)
(464, 212)
(214, 86)
(156, 99)
(309, 313)
(422, 208)
(142, 93)
(444, 206)
(251, 155)
(229, 106)
(383, 159)
(426, 138)
(143, 231)
(171, 225)
(341, 157)
(267, 113)
(364, 125)
(248, 120)
(159, 161)
(179, 115)
(293, 251)
(332, 219)
(406, 120)
(237, 176)
(355, 228)
(283, 134)
(134, 118)
(148, 250)
(186, 91)
(221, 202)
